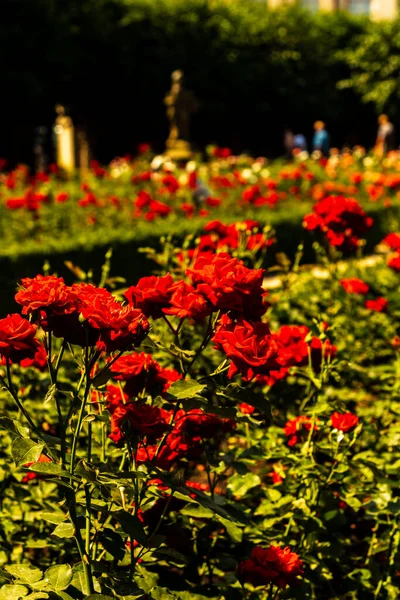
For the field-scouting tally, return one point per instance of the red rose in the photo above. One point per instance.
(142, 373)
(394, 261)
(151, 294)
(62, 197)
(377, 305)
(279, 566)
(120, 327)
(297, 429)
(140, 419)
(251, 348)
(17, 338)
(354, 286)
(392, 241)
(46, 292)
(342, 220)
(39, 361)
(246, 409)
(185, 302)
(229, 285)
(344, 422)
(196, 425)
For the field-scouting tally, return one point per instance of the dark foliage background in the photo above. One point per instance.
(252, 69)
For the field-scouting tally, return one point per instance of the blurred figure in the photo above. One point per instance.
(320, 140)
(299, 142)
(386, 138)
(64, 137)
(288, 141)
(39, 151)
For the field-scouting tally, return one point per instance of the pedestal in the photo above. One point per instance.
(179, 149)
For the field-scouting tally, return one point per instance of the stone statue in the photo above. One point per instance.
(64, 141)
(181, 104)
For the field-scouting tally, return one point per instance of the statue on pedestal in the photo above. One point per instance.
(181, 104)
(64, 141)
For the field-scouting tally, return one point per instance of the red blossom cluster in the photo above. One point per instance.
(274, 565)
(358, 287)
(82, 314)
(342, 221)
(228, 237)
(146, 206)
(142, 374)
(392, 241)
(185, 431)
(255, 351)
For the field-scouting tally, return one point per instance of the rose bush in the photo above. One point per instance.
(211, 430)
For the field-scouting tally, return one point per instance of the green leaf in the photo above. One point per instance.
(113, 543)
(14, 427)
(48, 469)
(24, 573)
(25, 451)
(99, 597)
(185, 389)
(102, 378)
(173, 555)
(64, 596)
(239, 485)
(64, 530)
(131, 525)
(197, 511)
(13, 592)
(234, 532)
(59, 577)
(51, 393)
(53, 517)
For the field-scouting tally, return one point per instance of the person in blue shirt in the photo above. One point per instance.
(321, 138)
(299, 142)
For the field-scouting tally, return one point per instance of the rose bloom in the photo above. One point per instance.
(151, 294)
(187, 303)
(17, 338)
(354, 286)
(39, 361)
(251, 348)
(246, 409)
(377, 305)
(229, 285)
(392, 241)
(344, 422)
(142, 373)
(276, 565)
(140, 419)
(297, 429)
(46, 292)
(394, 261)
(342, 220)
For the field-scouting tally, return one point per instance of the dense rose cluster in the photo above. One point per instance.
(220, 237)
(82, 314)
(255, 351)
(342, 221)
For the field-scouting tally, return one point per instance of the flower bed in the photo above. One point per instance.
(192, 436)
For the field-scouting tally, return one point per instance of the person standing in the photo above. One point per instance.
(386, 138)
(320, 140)
(288, 138)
